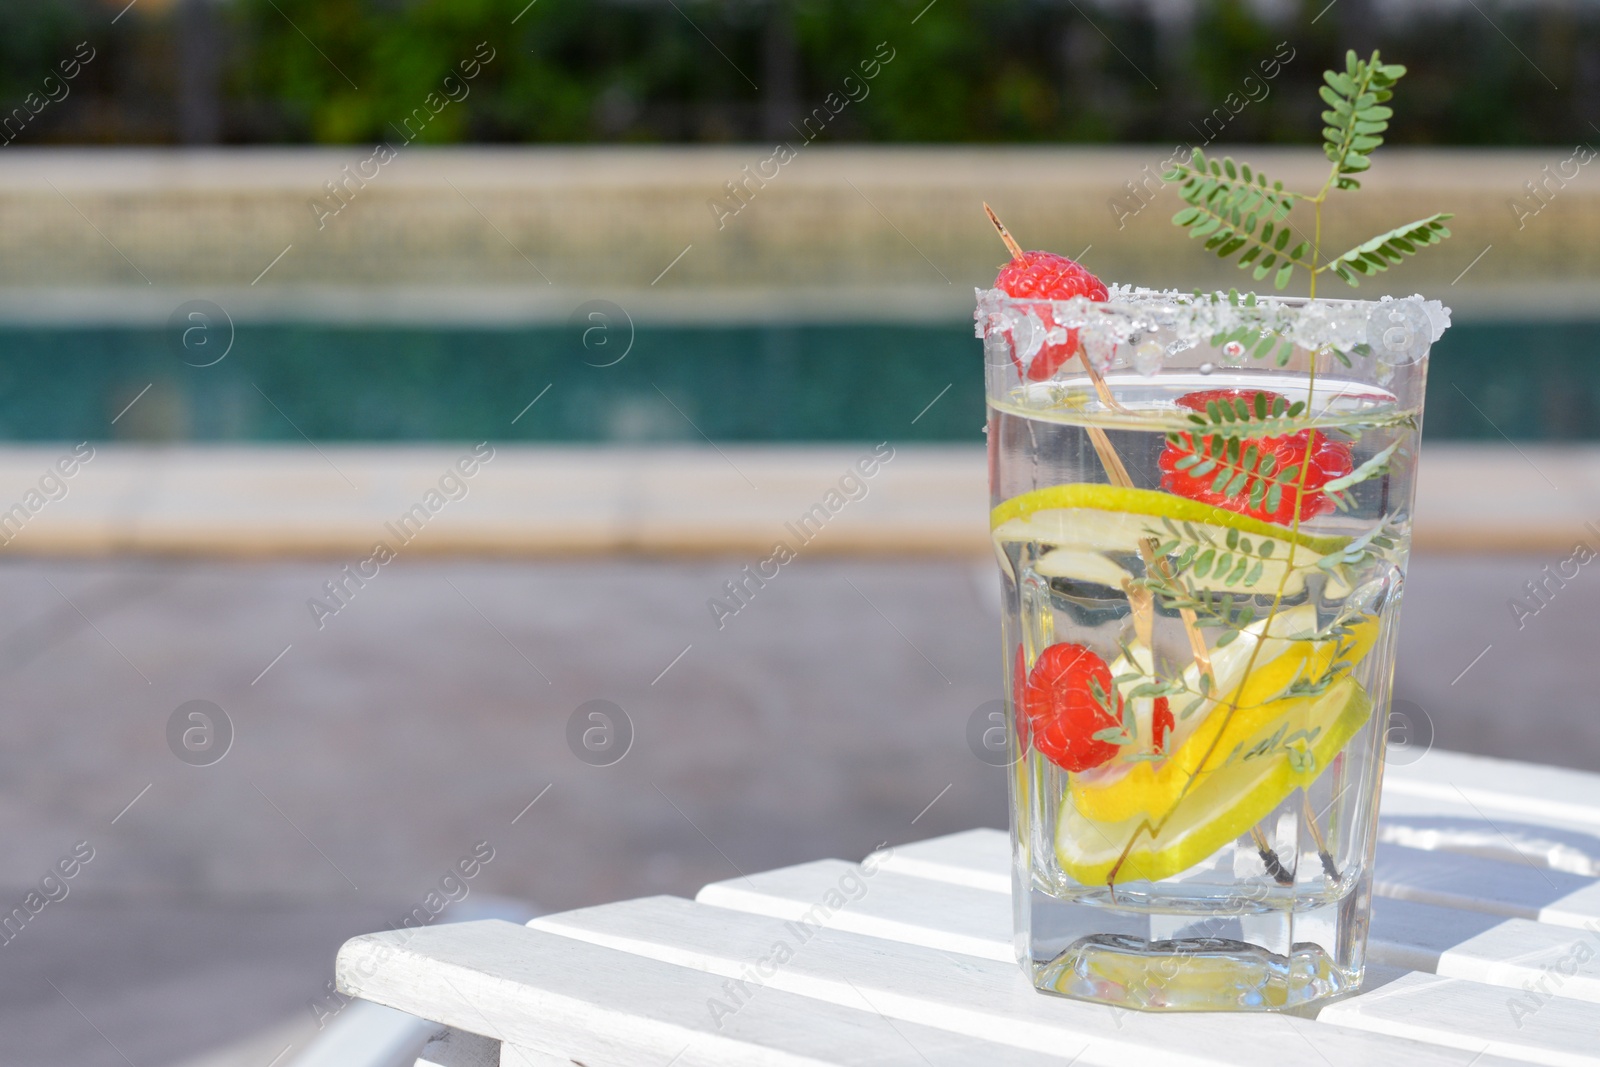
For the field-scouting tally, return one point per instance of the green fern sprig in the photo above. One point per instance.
(1357, 119)
(1387, 249)
(1237, 210)
(1237, 562)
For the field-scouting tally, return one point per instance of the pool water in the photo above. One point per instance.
(758, 383)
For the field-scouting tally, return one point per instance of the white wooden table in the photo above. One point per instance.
(1485, 950)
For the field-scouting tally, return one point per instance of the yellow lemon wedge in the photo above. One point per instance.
(1250, 707)
(1259, 760)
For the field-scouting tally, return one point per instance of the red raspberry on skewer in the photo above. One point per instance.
(1045, 276)
(1064, 709)
(1329, 459)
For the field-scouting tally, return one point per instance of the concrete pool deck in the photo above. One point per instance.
(528, 233)
(531, 501)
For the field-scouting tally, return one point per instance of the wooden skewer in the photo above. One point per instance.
(1143, 603)
(1191, 623)
(1269, 858)
(1143, 607)
(1328, 866)
(1116, 470)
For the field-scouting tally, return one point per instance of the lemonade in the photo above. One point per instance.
(1203, 554)
(1202, 510)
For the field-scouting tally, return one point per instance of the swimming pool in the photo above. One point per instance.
(759, 383)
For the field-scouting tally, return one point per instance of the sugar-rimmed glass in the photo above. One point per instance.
(1212, 585)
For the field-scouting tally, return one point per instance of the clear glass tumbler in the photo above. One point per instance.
(1202, 513)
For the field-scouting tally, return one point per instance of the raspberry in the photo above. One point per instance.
(1064, 711)
(1047, 276)
(1329, 460)
(1198, 401)
(1161, 724)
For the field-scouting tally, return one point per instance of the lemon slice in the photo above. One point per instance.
(1148, 502)
(1289, 652)
(1260, 760)
(1089, 518)
(1082, 565)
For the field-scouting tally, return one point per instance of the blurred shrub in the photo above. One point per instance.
(339, 71)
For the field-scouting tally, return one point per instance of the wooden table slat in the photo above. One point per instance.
(1498, 788)
(891, 905)
(1499, 887)
(980, 998)
(1475, 1018)
(561, 997)
(1437, 826)
(1515, 953)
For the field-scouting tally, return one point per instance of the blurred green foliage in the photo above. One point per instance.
(348, 71)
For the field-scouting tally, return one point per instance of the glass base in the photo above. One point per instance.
(1252, 958)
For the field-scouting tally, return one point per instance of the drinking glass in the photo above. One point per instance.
(1202, 514)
